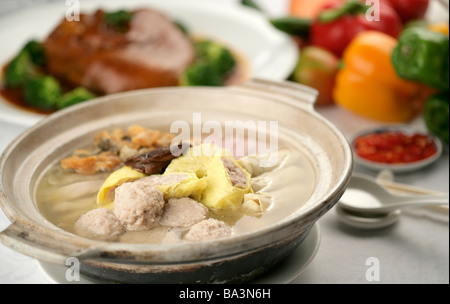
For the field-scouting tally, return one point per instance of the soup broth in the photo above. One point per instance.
(63, 196)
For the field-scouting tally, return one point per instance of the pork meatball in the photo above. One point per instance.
(171, 237)
(183, 213)
(138, 206)
(157, 235)
(208, 230)
(100, 223)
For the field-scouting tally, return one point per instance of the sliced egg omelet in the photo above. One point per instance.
(126, 174)
(227, 181)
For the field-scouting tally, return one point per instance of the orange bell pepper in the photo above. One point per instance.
(368, 84)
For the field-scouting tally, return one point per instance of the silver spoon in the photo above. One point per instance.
(367, 204)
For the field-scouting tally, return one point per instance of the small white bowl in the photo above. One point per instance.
(396, 168)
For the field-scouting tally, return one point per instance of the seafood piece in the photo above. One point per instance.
(103, 162)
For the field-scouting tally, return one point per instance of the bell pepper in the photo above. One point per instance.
(423, 55)
(440, 27)
(436, 115)
(336, 26)
(368, 84)
(410, 9)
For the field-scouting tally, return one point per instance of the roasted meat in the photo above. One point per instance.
(151, 51)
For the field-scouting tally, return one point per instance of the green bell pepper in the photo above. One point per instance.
(436, 115)
(422, 55)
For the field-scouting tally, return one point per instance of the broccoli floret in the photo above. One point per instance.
(19, 70)
(42, 92)
(201, 74)
(211, 67)
(217, 55)
(25, 65)
(75, 96)
(36, 51)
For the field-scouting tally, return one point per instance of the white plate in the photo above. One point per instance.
(271, 54)
(284, 273)
(397, 168)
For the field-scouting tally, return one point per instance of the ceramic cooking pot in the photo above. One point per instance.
(232, 260)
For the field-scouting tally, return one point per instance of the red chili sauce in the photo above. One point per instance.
(394, 147)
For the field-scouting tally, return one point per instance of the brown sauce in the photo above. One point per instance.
(14, 96)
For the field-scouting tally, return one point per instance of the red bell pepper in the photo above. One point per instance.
(409, 10)
(337, 25)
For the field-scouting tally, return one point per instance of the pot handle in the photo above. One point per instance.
(40, 246)
(298, 92)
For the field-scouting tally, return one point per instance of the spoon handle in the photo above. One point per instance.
(412, 202)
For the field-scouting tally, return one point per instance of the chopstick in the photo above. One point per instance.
(407, 189)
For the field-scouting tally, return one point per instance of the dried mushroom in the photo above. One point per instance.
(153, 162)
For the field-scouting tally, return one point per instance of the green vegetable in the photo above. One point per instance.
(217, 55)
(25, 65)
(119, 20)
(251, 4)
(201, 74)
(423, 55)
(293, 26)
(436, 115)
(19, 70)
(211, 67)
(42, 92)
(36, 51)
(73, 97)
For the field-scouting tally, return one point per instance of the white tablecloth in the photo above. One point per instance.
(415, 250)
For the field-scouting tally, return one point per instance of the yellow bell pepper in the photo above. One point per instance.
(368, 84)
(441, 27)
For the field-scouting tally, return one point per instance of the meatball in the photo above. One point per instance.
(138, 206)
(183, 213)
(171, 237)
(207, 230)
(156, 235)
(100, 223)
